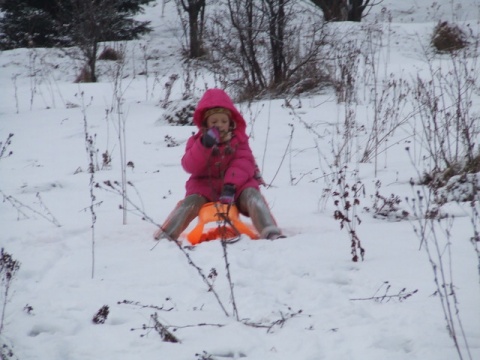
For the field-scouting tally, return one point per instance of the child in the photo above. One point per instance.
(222, 168)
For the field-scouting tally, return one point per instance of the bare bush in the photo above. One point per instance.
(450, 126)
(386, 207)
(344, 71)
(389, 100)
(266, 47)
(180, 113)
(354, 67)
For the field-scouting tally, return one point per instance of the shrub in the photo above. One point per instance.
(180, 113)
(448, 37)
(110, 54)
(85, 76)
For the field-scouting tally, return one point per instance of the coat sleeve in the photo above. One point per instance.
(196, 157)
(242, 167)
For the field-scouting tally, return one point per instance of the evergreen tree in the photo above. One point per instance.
(47, 23)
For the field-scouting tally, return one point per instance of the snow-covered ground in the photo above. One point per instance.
(297, 298)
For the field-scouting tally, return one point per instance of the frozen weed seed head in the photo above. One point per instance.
(8, 268)
(4, 147)
(101, 315)
(346, 199)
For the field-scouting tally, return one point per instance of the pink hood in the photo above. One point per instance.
(219, 98)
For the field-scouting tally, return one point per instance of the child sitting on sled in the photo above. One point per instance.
(222, 168)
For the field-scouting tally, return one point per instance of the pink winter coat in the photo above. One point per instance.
(227, 163)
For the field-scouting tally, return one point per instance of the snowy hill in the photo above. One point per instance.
(297, 298)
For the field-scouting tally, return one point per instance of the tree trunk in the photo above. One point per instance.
(92, 61)
(276, 16)
(333, 10)
(356, 8)
(195, 44)
(195, 9)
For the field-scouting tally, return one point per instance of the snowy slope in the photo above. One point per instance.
(297, 298)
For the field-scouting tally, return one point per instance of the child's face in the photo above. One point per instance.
(220, 121)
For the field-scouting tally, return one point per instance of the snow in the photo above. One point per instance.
(297, 298)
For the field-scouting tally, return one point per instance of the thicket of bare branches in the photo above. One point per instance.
(266, 47)
(450, 125)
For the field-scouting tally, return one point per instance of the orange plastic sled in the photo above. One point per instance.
(213, 212)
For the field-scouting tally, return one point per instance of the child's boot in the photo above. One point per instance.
(252, 203)
(178, 220)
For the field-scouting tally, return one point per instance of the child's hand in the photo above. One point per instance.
(228, 194)
(211, 137)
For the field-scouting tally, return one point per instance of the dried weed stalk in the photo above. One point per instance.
(435, 235)
(347, 200)
(284, 317)
(163, 331)
(23, 209)
(402, 295)
(114, 188)
(8, 269)
(91, 153)
(119, 119)
(4, 146)
(142, 306)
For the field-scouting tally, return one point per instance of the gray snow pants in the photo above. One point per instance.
(250, 202)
